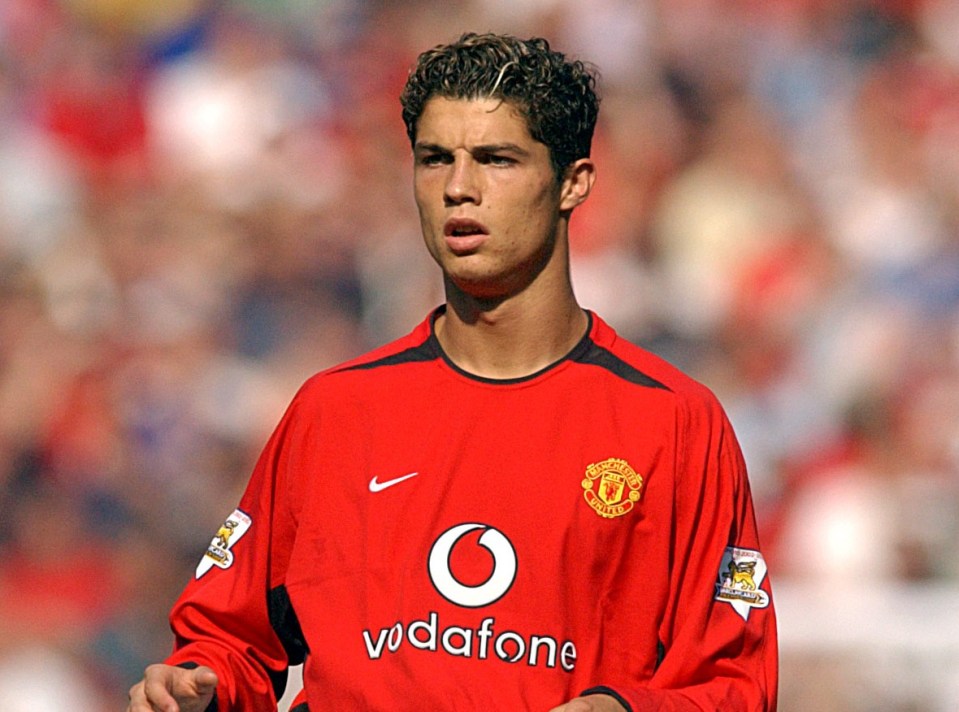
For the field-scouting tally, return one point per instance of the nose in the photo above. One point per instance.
(462, 182)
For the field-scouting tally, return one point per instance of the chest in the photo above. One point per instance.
(501, 531)
(561, 477)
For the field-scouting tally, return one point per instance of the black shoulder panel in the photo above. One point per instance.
(598, 356)
(427, 351)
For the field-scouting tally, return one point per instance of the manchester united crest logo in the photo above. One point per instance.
(611, 487)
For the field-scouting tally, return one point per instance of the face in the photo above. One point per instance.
(490, 206)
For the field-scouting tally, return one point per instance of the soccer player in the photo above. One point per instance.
(510, 508)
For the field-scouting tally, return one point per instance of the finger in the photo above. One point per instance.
(139, 701)
(157, 692)
(204, 680)
(137, 698)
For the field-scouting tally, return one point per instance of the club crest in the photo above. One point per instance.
(741, 573)
(611, 487)
(218, 552)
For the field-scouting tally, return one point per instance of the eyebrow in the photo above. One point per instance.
(505, 147)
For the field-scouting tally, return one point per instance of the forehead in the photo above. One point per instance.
(470, 122)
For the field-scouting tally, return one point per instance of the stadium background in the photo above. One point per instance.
(202, 203)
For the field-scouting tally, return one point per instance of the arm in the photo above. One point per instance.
(717, 637)
(234, 616)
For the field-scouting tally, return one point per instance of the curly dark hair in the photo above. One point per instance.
(557, 96)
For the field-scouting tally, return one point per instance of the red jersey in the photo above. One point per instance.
(427, 539)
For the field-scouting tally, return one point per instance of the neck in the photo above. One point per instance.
(511, 337)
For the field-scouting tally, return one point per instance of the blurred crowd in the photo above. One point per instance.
(203, 202)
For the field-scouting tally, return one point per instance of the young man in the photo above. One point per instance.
(509, 508)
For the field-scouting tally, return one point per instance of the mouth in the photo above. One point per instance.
(464, 235)
(463, 227)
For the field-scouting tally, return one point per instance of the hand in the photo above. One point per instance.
(591, 703)
(165, 688)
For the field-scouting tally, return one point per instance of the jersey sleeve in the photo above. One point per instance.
(718, 636)
(234, 616)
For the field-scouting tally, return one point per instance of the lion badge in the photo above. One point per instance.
(740, 574)
(219, 553)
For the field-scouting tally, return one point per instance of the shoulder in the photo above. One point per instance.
(379, 364)
(679, 398)
(633, 362)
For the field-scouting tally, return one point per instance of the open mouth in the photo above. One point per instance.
(463, 227)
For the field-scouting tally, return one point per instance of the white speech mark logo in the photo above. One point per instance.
(491, 590)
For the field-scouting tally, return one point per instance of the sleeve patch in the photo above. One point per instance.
(218, 552)
(741, 573)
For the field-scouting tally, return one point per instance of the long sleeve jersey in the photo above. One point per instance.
(422, 538)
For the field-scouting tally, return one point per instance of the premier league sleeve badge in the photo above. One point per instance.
(741, 573)
(219, 553)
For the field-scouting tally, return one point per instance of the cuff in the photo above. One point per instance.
(601, 690)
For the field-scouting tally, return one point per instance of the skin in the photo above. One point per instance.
(510, 304)
(590, 703)
(165, 688)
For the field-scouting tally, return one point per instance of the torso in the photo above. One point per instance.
(568, 478)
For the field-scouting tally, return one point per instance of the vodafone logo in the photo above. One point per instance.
(426, 633)
(491, 590)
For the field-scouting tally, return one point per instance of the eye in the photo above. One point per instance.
(496, 159)
(434, 159)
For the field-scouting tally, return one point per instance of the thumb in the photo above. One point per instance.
(204, 680)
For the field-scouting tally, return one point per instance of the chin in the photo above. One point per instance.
(484, 287)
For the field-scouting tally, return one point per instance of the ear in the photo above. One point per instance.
(577, 183)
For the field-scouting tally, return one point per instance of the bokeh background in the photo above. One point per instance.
(204, 202)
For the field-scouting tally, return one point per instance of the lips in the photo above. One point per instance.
(464, 235)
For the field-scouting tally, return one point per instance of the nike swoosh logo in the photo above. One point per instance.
(377, 486)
